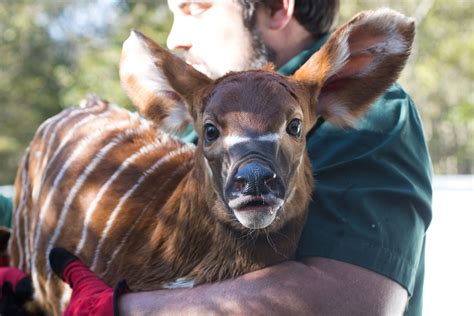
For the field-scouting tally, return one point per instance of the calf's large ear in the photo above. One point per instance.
(357, 64)
(162, 86)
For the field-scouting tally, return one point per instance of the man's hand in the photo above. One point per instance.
(90, 295)
(15, 290)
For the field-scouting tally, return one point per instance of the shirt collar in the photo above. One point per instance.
(296, 62)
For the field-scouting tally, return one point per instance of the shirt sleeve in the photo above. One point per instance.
(371, 203)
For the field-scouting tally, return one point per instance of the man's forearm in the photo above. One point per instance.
(316, 286)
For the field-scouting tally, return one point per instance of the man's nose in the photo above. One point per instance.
(179, 37)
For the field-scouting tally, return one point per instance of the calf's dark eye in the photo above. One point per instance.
(294, 128)
(211, 133)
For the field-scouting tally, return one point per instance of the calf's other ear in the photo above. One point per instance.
(162, 86)
(357, 64)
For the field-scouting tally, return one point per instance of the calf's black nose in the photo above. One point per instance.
(254, 178)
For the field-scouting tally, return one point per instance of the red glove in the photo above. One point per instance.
(15, 290)
(90, 295)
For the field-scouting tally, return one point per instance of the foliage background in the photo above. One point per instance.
(53, 53)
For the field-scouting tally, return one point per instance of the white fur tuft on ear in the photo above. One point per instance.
(138, 60)
(389, 21)
(177, 121)
(143, 78)
(340, 115)
(342, 54)
(358, 62)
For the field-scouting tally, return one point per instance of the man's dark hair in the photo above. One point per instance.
(316, 16)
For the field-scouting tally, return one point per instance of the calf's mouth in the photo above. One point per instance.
(256, 212)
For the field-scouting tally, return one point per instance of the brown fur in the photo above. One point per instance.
(174, 234)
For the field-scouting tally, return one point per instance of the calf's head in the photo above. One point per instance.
(252, 125)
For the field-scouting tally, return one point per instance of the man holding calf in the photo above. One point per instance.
(362, 249)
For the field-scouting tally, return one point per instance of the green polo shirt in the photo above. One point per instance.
(5, 211)
(371, 202)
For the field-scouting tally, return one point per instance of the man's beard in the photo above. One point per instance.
(262, 53)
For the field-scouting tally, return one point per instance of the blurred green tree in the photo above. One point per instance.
(54, 53)
(97, 51)
(28, 94)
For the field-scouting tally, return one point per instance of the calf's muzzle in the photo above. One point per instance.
(255, 193)
(256, 179)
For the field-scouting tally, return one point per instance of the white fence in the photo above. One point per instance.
(449, 269)
(6, 190)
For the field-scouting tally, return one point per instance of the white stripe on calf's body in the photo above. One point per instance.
(39, 160)
(18, 211)
(77, 152)
(124, 198)
(77, 186)
(65, 140)
(61, 121)
(26, 222)
(142, 213)
(93, 205)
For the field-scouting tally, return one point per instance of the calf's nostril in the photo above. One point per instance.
(272, 182)
(254, 179)
(239, 185)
